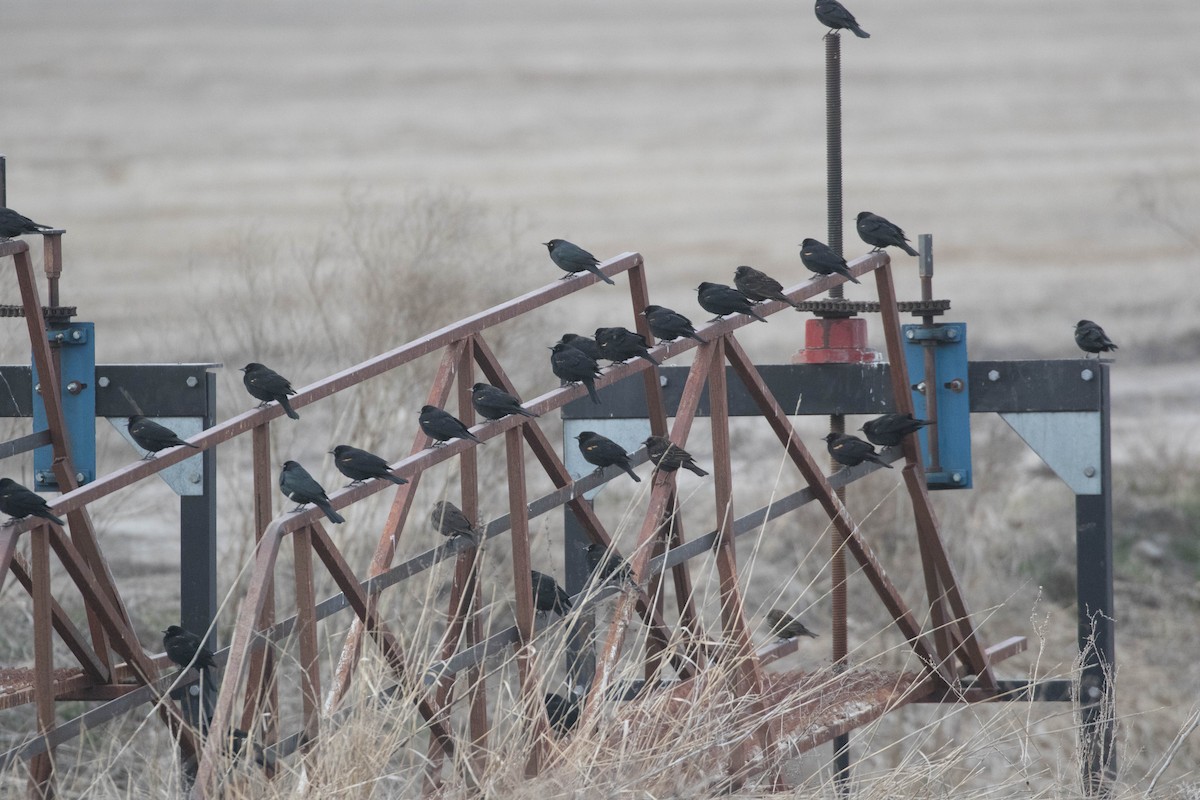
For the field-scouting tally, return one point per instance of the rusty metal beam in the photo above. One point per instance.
(71, 636)
(41, 767)
(262, 690)
(306, 633)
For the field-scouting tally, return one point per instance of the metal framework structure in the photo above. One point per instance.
(949, 647)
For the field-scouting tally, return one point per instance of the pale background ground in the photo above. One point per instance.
(1053, 149)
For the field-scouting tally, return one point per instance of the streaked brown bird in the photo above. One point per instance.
(449, 520)
(759, 285)
(785, 626)
(668, 456)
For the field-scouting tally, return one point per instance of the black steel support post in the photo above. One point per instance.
(837, 423)
(1097, 620)
(198, 562)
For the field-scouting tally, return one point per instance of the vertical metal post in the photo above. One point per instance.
(3, 181)
(837, 422)
(1097, 629)
(581, 648)
(198, 561)
(925, 249)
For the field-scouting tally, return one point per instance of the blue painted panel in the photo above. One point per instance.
(949, 340)
(77, 356)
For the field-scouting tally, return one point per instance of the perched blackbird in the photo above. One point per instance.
(267, 385)
(548, 595)
(851, 450)
(879, 233)
(442, 426)
(296, 484)
(668, 456)
(14, 224)
(562, 712)
(605, 565)
(359, 465)
(584, 344)
(604, 452)
(573, 365)
(669, 325)
(760, 286)
(890, 429)
(18, 502)
(153, 437)
(187, 650)
(620, 344)
(449, 520)
(834, 14)
(716, 298)
(572, 258)
(1091, 338)
(785, 626)
(821, 259)
(494, 403)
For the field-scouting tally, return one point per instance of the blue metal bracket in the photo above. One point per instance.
(952, 388)
(77, 360)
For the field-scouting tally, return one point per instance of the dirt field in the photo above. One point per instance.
(1051, 148)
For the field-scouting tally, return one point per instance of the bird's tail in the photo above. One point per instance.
(853, 279)
(473, 437)
(596, 271)
(908, 249)
(879, 461)
(287, 408)
(189, 444)
(591, 387)
(630, 473)
(696, 336)
(524, 412)
(691, 465)
(860, 33)
(396, 479)
(209, 680)
(334, 517)
(51, 517)
(649, 358)
(756, 315)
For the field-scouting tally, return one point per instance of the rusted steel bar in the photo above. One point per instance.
(41, 767)
(385, 550)
(23, 444)
(557, 471)
(733, 614)
(8, 548)
(639, 295)
(777, 418)
(388, 644)
(262, 690)
(82, 532)
(685, 596)
(71, 636)
(239, 654)
(661, 491)
(933, 550)
(306, 633)
(523, 587)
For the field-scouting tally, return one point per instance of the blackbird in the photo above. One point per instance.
(605, 565)
(571, 258)
(760, 286)
(584, 344)
(548, 595)
(785, 626)
(716, 298)
(604, 452)
(669, 325)
(153, 437)
(187, 650)
(851, 450)
(18, 502)
(573, 365)
(1091, 338)
(494, 403)
(297, 485)
(442, 426)
(266, 385)
(879, 233)
(668, 456)
(14, 224)
(835, 15)
(890, 429)
(360, 466)
(821, 259)
(620, 344)
(562, 712)
(449, 520)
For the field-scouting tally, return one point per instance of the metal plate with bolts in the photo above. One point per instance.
(187, 477)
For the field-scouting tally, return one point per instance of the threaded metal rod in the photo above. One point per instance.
(833, 145)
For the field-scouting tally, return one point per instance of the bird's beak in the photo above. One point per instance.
(164, 633)
(545, 244)
(331, 452)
